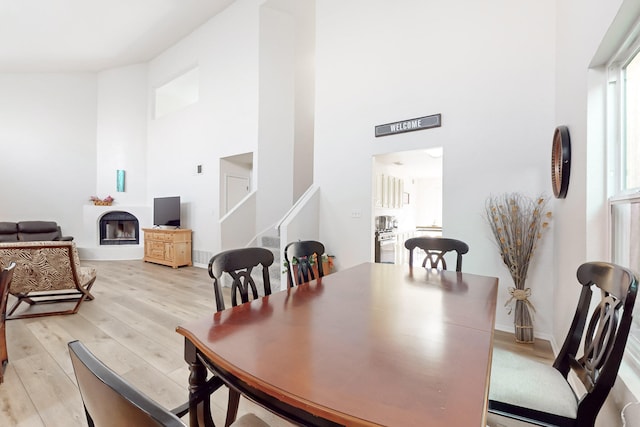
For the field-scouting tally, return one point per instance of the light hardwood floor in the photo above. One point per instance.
(130, 326)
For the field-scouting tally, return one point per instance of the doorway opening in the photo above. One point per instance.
(235, 180)
(407, 199)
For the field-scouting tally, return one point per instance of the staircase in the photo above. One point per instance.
(275, 271)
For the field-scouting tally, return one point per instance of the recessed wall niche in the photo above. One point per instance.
(177, 94)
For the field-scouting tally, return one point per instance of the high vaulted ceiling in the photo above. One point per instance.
(93, 35)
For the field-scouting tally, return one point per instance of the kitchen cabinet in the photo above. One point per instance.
(392, 192)
(388, 191)
(399, 189)
(167, 247)
(377, 195)
(385, 191)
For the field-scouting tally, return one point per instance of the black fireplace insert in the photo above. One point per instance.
(119, 228)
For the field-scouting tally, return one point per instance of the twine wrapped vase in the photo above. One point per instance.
(523, 323)
(522, 318)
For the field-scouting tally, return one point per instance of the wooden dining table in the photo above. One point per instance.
(371, 345)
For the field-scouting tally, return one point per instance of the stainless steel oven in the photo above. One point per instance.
(385, 246)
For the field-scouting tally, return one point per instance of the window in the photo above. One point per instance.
(631, 135)
(623, 123)
(625, 250)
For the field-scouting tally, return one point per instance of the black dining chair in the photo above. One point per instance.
(435, 249)
(238, 265)
(303, 260)
(540, 394)
(6, 274)
(110, 400)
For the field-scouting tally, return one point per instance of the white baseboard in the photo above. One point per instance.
(111, 252)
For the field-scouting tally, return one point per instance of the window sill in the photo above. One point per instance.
(629, 373)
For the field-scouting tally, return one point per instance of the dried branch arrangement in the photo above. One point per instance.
(517, 222)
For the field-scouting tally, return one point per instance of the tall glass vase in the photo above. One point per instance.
(523, 322)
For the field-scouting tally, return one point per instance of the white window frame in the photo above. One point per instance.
(616, 163)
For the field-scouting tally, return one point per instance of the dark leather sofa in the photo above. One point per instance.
(30, 231)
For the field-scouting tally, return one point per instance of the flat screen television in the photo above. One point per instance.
(166, 212)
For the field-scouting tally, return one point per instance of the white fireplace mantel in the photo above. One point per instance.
(88, 243)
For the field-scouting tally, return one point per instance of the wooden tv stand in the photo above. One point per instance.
(167, 247)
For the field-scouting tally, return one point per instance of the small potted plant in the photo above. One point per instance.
(327, 264)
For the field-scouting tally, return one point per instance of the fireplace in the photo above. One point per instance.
(119, 228)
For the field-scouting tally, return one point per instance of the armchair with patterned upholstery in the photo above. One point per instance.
(47, 272)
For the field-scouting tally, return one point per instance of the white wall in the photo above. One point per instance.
(581, 26)
(121, 133)
(477, 63)
(305, 41)
(286, 103)
(48, 142)
(588, 32)
(276, 116)
(222, 123)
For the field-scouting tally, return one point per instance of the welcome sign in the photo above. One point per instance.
(410, 125)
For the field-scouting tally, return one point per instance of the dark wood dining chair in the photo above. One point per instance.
(110, 400)
(303, 260)
(5, 281)
(435, 249)
(540, 394)
(238, 265)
